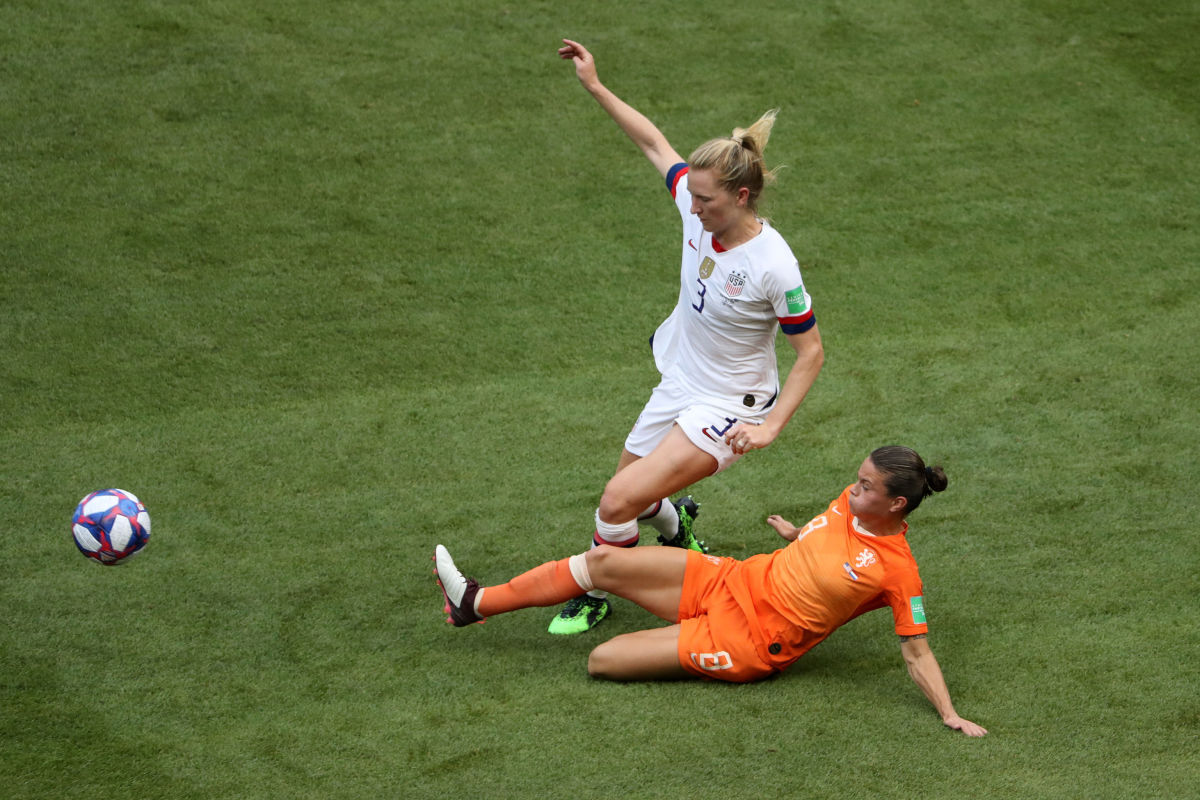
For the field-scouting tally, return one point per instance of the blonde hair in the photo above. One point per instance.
(737, 160)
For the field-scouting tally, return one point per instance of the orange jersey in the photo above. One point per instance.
(833, 572)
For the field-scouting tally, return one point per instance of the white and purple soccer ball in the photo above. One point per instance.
(110, 525)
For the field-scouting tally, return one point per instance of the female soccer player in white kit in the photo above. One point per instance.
(719, 396)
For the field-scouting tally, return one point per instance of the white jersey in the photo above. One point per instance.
(719, 342)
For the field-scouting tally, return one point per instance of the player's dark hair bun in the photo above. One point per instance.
(905, 474)
(936, 478)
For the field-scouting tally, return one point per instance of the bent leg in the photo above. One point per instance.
(625, 460)
(652, 577)
(673, 465)
(649, 655)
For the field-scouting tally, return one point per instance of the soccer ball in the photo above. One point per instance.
(110, 525)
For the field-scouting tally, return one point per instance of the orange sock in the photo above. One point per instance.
(547, 585)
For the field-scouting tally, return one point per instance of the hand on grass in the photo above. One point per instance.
(965, 725)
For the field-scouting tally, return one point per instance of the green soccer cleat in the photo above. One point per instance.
(688, 509)
(580, 614)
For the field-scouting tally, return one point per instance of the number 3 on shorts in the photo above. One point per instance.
(712, 662)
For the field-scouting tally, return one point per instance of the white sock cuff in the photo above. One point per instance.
(620, 534)
(579, 571)
(651, 511)
(665, 520)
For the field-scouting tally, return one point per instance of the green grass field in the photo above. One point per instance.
(328, 283)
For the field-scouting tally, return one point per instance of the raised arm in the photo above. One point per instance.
(926, 673)
(648, 138)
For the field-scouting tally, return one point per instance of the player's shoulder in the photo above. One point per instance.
(771, 252)
(898, 554)
(677, 180)
(772, 238)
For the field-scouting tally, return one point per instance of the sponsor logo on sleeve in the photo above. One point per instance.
(917, 604)
(797, 303)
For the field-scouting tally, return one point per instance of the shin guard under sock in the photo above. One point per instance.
(549, 584)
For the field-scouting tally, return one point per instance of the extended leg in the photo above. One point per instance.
(652, 577)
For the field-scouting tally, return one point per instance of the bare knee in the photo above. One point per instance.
(600, 564)
(616, 506)
(603, 663)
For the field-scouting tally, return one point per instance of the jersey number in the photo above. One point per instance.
(703, 291)
(711, 662)
(722, 431)
(819, 522)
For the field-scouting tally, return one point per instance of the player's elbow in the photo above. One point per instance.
(915, 651)
(816, 355)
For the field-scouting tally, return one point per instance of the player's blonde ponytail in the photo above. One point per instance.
(738, 160)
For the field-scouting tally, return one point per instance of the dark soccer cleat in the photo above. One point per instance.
(458, 591)
(580, 614)
(687, 509)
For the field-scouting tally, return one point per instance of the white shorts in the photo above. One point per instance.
(704, 422)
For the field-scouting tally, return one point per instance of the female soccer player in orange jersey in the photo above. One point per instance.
(745, 620)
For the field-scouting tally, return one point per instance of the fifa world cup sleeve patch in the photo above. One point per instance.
(917, 604)
(796, 302)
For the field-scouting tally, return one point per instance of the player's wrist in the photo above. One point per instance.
(772, 428)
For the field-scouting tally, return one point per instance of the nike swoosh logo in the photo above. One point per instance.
(692, 245)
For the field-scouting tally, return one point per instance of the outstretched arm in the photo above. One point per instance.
(648, 138)
(926, 673)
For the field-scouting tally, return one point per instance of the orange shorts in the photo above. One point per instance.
(714, 638)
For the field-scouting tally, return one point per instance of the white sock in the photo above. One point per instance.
(663, 516)
(624, 534)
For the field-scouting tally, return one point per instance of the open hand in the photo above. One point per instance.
(784, 528)
(966, 726)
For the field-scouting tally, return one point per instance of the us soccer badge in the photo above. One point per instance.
(734, 284)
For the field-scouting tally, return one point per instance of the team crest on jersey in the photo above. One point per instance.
(734, 284)
(706, 266)
(865, 559)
